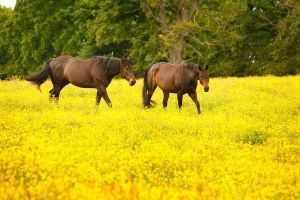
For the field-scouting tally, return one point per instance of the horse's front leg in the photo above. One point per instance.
(165, 101)
(179, 99)
(103, 93)
(193, 96)
(98, 97)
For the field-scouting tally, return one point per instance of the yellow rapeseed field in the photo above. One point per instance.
(244, 145)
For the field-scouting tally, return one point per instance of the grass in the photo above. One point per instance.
(244, 145)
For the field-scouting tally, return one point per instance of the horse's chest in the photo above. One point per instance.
(186, 85)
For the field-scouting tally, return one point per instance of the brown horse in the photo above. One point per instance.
(96, 72)
(174, 78)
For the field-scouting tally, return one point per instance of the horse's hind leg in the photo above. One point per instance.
(51, 92)
(165, 101)
(54, 93)
(57, 88)
(150, 93)
(60, 87)
(193, 96)
(51, 96)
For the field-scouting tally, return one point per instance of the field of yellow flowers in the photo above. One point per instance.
(244, 145)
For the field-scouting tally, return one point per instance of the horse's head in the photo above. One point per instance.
(126, 70)
(204, 78)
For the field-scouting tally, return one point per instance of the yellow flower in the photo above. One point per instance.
(244, 145)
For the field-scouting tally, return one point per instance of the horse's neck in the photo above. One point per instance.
(197, 75)
(193, 73)
(112, 72)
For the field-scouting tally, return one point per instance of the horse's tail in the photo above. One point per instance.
(146, 101)
(39, 79)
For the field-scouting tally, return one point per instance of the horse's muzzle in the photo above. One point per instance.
(132, 82)
(206, 89)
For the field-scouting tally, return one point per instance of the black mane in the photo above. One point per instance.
(191, 66)
(108, 64)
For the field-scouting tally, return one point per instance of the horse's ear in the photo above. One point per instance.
(202, 68)
(125, 58)
(206, 67)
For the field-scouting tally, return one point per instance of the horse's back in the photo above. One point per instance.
(77, 71)
(163, 68)
(59, 61)
(164, 75)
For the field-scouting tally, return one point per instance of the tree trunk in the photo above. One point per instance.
(186, 10)
(175, 52)
(162, 17)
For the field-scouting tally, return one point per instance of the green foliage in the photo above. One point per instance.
(253, 138)
(237, 38)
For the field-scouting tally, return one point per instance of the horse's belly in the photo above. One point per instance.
(168, 89)
(83, 85)
(176, 87)
(80, 79)
(166, 82)
(84, 82)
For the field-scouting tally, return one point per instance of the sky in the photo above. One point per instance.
(8, 3)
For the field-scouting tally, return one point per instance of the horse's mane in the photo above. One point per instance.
(191, 66)
(108, 64)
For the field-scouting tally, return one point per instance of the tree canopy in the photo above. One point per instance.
(236, 38)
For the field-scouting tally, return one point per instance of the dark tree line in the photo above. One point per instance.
(245, 37)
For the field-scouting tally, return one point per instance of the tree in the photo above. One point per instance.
(247, 37)
(176, 20)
